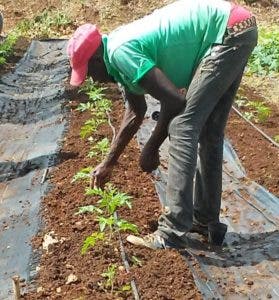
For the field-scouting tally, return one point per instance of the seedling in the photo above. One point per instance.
(111, 199)
(91, 90)
(90, 126)
(109, 276)
(258, 112)
(83, 174)
(115, 225)
(100, 149)
(276, 138)
(91, 241)
(82, 107)
(103, 105)
(262, 112)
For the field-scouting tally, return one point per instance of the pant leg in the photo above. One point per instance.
(215, 74)
(208, 180)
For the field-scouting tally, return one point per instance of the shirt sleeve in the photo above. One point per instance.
(131, 62)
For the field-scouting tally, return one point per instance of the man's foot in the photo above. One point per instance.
(152, 241)
(215, 233)
(199, 228)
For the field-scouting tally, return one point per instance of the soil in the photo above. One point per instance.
(258, 156)
(161, 274)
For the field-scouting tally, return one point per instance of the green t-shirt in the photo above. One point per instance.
(174, 38)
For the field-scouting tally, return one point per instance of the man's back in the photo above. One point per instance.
(174, 38)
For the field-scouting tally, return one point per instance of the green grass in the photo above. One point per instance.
(6, 48)
(265, 57)
(45, 25)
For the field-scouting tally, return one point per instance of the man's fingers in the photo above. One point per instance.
(95, 183)
(91, 181)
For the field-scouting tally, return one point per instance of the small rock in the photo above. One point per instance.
(58, 290)
(250, 282)
(40, 289)
(121, 268)
(68, 266)
(49, 240)
(71, 279)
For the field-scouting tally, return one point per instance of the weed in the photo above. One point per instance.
(276, 138)
(6, 48)
(91, 241)
(83, 174)
(45, 24)
(265, 57)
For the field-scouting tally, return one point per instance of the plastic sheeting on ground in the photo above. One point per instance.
(32, 124)
(247, 267)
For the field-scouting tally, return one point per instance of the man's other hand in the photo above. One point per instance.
(149, 159)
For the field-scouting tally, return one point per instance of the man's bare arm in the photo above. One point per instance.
(133, 117)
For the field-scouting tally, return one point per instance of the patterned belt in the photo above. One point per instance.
(242, 26)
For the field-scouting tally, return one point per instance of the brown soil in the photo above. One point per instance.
(258, 156)
(162, 274)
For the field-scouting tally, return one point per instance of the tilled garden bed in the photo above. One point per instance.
(158, 274)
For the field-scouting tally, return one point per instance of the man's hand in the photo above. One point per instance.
(99, 175)
(149, 159)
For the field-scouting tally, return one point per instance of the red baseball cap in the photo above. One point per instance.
(81, 47)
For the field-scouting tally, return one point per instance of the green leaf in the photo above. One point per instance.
(83, 174)
(91, 241)
(88, 208)
(124, 225)
(104, 222)
(85, 106)
(126, 288)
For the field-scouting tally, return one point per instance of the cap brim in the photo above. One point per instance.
(78, 75)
